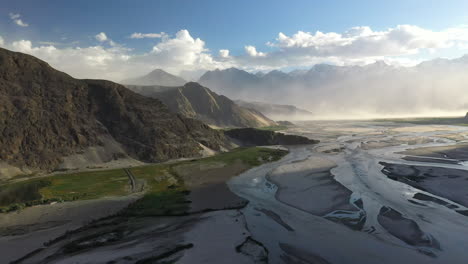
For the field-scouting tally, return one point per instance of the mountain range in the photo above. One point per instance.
(156, 77)
(278, 111)
(46, 115)
(375, 89)
(195, 101)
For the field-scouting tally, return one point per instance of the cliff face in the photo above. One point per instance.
(46, 114)
(195, 101)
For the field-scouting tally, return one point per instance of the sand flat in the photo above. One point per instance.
(66, 216)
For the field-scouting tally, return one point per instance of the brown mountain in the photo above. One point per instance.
(156, 77)
(46, 115)
(195, 101)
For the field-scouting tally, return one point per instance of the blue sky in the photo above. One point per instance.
(228, 25)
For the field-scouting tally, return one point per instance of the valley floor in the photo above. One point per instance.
(354, 199)
(370, 192)
(142, 213)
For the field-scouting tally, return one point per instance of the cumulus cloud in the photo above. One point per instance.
(179, 54)
(17, 19)
(355, 46)
(147, 35)
(364, 42)
(101, 37)
(90, 62)
(252, 52)
(182, 51)
(187, 55)
(223, 53)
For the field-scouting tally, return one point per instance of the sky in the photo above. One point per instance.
(120, 39)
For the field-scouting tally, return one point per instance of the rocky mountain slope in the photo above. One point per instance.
(156, 77)
(277, 111)
(195, 101)
(46, 115)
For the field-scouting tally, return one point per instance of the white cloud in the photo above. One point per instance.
(252, 52)
(179, 54)
(182, 51)
(101, 37)
(363, 41)
(17, 19)
(147, 35)
(223, 53)
(355, 46)
(187, 55)
(1, 41)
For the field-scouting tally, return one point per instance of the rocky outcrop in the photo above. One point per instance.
(285, 123)
(46, 115)
(195, 101)
(257, 137)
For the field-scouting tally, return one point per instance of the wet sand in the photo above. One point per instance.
(444, 182)
(208, 189)
(458, 152)
(300, 208)
(212, 223)
(310, 186)
(400, 223)
(26, 230)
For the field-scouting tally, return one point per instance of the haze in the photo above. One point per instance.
(390, 65)
(233, 132)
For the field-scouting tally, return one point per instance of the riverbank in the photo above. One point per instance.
(185, 199)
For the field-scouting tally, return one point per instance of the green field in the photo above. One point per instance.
(86, 185)
(167, 193)
(165, 190)
(63, 187)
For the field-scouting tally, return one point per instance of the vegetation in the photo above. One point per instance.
(165, 190)
(251, 156)
(14, 196)
(166, 193)
(62, 187)
(86, 185)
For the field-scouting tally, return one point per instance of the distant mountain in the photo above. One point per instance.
(46, 115)
(230, 82)
(195, 101)
(277, 111)
(156, 77)
(378, 89)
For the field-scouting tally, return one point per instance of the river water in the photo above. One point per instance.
(296, 204)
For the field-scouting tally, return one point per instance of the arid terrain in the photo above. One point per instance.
(353, 195)
(397, 188)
